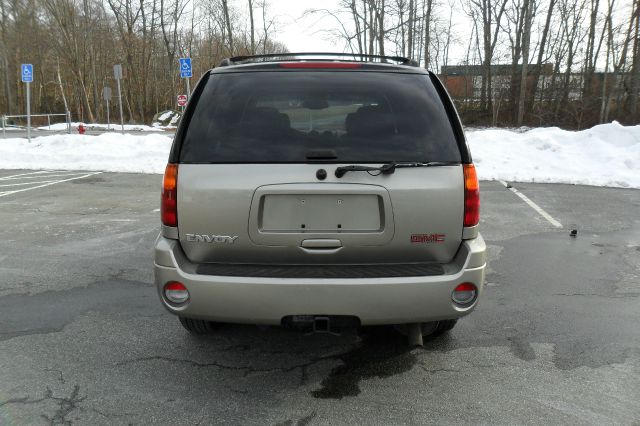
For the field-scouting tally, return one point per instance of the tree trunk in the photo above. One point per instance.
(525, 60)
(427, 33)
(225, 8)
(541, 51)
(635, 66)
(252, 28)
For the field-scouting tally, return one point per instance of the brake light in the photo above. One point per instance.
(471, 196)
(319, 65)
(169, 199)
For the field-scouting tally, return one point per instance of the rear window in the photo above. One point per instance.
(280, 117)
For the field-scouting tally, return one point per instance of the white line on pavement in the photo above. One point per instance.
(30, 173)
(59, 174)
(2, 194)
(533, 205)
(27, 183)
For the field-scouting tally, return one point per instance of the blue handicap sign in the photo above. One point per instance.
(27, 73)
(185, 67)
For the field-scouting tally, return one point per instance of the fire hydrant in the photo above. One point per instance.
(81, 129)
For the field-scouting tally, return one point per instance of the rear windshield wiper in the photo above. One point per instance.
(389, 168)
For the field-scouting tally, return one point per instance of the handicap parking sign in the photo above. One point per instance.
(27, 73)
(185, 67)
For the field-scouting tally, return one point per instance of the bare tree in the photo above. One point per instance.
(528, 6)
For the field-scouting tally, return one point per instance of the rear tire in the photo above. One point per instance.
(444, 326)
(196, 326)
(429, 329)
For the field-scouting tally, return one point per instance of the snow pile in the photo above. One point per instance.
(104, 126)
(605, 155)
(112, 152)
(166, 119)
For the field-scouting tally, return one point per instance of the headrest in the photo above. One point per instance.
(371, 121)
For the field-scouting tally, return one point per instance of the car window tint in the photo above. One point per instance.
(261, 117)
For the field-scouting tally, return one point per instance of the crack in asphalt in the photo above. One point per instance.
(248, 370)
(608, 296)
(23, 400)
(439, 370)
(65, 404)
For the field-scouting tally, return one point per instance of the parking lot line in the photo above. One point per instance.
(533, 205)
(25, 183)
(30, 173)
(2, 194)
(41, 176)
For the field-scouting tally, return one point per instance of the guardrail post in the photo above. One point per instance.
(4, 131)
(49, 121)
(68, 118)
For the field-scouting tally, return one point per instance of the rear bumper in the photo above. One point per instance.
(255, 300)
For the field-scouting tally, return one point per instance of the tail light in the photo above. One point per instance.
(169, 200)
(464, 294)
(471, 196)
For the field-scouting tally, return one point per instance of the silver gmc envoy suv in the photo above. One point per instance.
(320, 193)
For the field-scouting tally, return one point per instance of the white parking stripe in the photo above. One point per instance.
(58, 174)
(26, 183)
(2, 194)
(30, 173)
(533, 205)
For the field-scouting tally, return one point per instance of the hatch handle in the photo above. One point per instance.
(321, 243)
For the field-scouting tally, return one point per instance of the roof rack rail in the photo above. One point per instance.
(324, 56)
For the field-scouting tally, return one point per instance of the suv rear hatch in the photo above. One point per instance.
(258, 151)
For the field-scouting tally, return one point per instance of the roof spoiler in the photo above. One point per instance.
(324, 56)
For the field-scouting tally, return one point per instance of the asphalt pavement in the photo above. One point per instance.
(84, 339)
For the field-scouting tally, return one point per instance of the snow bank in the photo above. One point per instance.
(104, 126)
(605, 155)
(166, 119)
(112, 152)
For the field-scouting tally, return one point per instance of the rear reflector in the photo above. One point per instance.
(176, 292)
(471, 196)
(464, 294)
(169, 199)
(319, 65)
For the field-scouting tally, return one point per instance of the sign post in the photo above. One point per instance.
(27, 78)
(117, 73)
(106, 95)
(186, 72)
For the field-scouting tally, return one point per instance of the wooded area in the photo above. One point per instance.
(73, 45)
(571, 63)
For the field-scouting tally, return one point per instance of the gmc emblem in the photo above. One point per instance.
(427, 238)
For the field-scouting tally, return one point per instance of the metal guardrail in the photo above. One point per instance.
(67, 116)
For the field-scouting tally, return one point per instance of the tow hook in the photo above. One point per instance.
(337, 325)
(321, 325)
